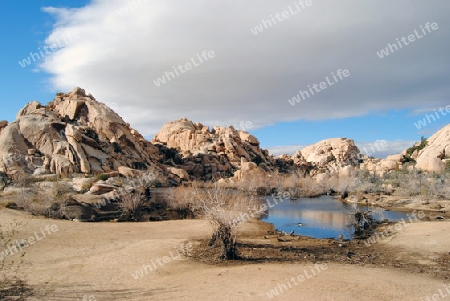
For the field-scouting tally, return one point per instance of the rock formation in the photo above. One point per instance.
(73, 134)
(77, 134)
(436, 154)
(206, 154)
(328, 156)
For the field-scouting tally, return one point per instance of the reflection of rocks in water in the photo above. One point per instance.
(313, 217)
(320, 217)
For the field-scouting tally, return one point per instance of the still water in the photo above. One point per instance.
(322, 217)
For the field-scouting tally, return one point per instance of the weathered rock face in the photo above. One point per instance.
(74, 133)
(206, 154)
(329, 155)
(435, 155)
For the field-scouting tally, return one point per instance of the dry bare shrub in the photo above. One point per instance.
(226, 210)
(254, 182)
(129, 205)
(44, 198)
(308, 187)
(181, 197)
(10, 283)
(361, 223)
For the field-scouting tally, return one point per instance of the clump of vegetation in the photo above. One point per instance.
(3, 180)
(418, 147)
(10, 205)
(132, 199)
(117, 148)
(447, 166)
(362, 223)
(102, 176)
(49, 200)
(226, 210)
(90, 132)
(129, 205)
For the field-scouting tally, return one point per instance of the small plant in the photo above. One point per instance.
(3, 180)
(418, 147)
(102, 176)
(10, 205)
(117, 148)
(91, 134)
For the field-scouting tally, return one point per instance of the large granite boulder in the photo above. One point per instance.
(434, 155)
(73, 134)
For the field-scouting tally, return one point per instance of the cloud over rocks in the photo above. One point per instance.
(118, 56)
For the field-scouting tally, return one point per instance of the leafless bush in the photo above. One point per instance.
(361, 223)
(226, 210)
(309, 187)
(130, 203)
(10, 283)
(254, 182)
(180, 198)
(134, 197)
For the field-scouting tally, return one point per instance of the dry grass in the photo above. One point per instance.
(49, 199)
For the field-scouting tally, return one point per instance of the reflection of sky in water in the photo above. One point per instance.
(321, 217)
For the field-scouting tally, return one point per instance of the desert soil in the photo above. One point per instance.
(96, 260)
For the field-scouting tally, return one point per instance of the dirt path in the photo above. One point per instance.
(98, 260)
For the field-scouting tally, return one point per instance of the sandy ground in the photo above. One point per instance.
(97, 261)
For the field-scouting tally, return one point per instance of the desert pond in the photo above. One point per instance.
(322, 217)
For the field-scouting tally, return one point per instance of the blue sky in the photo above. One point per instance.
(124, 46)
(23, 30)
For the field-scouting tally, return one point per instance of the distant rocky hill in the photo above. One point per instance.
(330, 156)
(77, 134)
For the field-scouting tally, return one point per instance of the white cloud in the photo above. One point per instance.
(117, 58)
(281, 150)
(383, 148)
